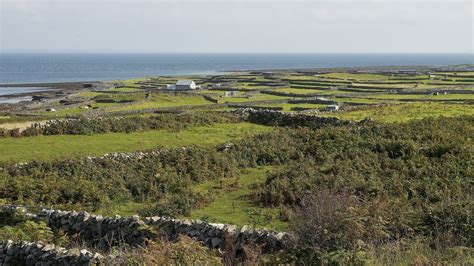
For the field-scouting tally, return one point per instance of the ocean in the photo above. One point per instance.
(63, 67)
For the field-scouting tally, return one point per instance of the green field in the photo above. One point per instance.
(61, 146)
(125, 89)
(313, 91)
(232, 204)
(254, 98)
(405, 112)
(163, 100)
(287, 106)
(451, 96)
(355, 76)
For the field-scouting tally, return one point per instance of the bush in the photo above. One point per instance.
(327, 222)
(332, 227)
(177, 205)
(27, 231)
(185, 251)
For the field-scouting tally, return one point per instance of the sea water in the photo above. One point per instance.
(63, 67)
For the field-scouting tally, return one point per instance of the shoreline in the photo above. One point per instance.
(44, 89)
(51, 85)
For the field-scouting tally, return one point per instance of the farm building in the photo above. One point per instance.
(231, 93)
(185, 84)
(332, 107)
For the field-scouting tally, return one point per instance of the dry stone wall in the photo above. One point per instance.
(213, 234)
(98, 231)
(275, 118)
(28, 253)
(105, 232)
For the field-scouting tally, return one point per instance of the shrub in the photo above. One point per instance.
(328, 221)
(185, 251)
(177, 205)
(28, 231)
(332, 227)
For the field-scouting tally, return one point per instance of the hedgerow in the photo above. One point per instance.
(88, 126)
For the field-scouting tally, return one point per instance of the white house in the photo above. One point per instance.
(332, 107)
(231, 93)
(185, 84)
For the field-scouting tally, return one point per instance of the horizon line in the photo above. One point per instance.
(204, 53)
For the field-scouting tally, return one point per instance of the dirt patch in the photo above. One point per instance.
(20, 125)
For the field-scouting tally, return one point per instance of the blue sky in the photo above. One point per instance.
(330, 26)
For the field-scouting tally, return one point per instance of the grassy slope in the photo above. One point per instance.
(232, 204)
(49, 147)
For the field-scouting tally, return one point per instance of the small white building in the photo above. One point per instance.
(185, 84)
(231, 93)
(332, 107)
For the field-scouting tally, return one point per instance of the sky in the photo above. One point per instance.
(237, 26)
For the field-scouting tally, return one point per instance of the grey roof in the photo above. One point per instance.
(184, 82)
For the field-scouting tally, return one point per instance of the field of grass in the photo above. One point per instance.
(425, 97)
(123, 96)
(125, 89)
(164, 100)
(63, 146)
(88, 94)
(256, 97)
(63, 112)
(405, 112)
(74, 111)
(355, 76)
(287, 106)
(218, 93)
(314, 91)
(132, 82)
(361, 100)
(384, 86)
(460, 74)
(232, 204)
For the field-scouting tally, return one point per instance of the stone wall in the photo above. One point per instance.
(313, 100)
(98, 231)
(28, 253)
(213, 234)
(105, 232)
(274, 118)
(255, 107)
(289, 94)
